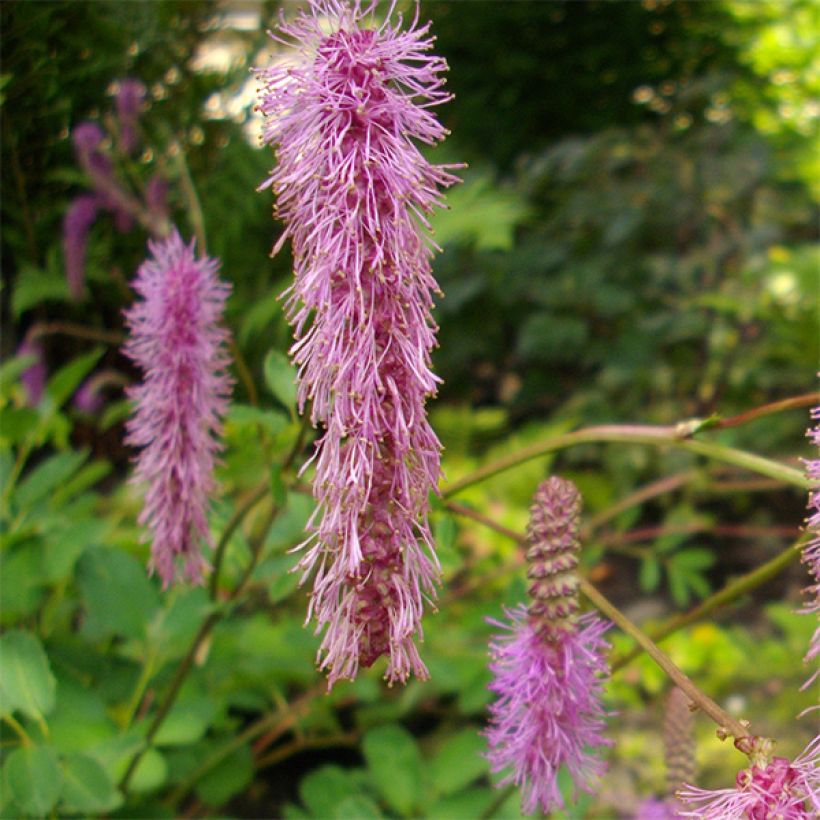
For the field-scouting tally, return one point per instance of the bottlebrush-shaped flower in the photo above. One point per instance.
(177, 342)
(354, 192)
(549, 666)
(811, 552)
(765, 791)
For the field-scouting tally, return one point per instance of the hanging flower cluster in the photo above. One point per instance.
(768, 789)
(354, 193)
(549, 665)
(177, 342)
(811, 552)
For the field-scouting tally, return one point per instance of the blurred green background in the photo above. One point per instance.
(635, 240)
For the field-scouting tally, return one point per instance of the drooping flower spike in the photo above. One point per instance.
(176, 340)
(345, 115)
(549, 666)
(811, 552)
(770, 789)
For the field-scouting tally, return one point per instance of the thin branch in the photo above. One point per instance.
(674, 436)
(193, 651)
(727, 725)
(297, 745)
(281, 719)
(806, 400)
(111, 337)
(230, 528)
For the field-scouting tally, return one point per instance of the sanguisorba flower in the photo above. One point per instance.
(345, 116)
(549, 666)
(767, 790)
(176, 340)
(811, 552)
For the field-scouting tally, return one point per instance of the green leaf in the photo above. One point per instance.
(227, 778)
(116, 592)
(356, 807)
(186, 722)
(11, 370)
(445, 531)
(21, 589)
(678, 585)
(280, 378)
(51, 473)
(151, 772)
(470, 803)
(650, 574)
(86, 786)
(16, 423)
(80, 722)
(246, 415)
(27, 683)
(67, 379)
(458, 762)
(395, 766)
(35, 286)
(87, 477)
(33, 778)
(279, 491)
(323, 789)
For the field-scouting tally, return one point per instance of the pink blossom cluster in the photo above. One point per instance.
(811, 552)
(779, 790)
(354, 191)
(548, 712)
(176, 340)
(549, 665)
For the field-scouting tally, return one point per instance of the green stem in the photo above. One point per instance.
(675, 436)
(282, 719)
(230, 528)
(146, 673)
(21, 732)
(727, 725)
(193, 651)
(194, 209)
(806, 400)
(732, 591)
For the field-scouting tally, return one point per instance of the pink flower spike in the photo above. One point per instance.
(177, 342)
(345, 115)
(811, 552)
(779, 790)
(548, 712)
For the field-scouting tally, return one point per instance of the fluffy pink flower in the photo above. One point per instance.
(176, 341)
(811, 552)
(548, 712)
(549, 668)
(779, 790)
(354, 191)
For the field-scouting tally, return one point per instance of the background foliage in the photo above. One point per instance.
(635, 240)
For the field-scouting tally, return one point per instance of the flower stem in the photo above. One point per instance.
(193, 651)
(281, 719)
(230, 528)
(674, 435)
(727, 725)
